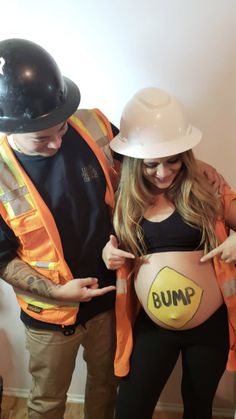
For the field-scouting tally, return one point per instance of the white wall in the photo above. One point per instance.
(111, 49)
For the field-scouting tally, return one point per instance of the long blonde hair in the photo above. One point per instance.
(191, 194)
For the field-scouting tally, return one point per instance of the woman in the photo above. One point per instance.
(166, 218)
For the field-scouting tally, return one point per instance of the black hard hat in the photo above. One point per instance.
(33, 94)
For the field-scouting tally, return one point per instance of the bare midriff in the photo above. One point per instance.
(176, 290)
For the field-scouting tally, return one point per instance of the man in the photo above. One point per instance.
(55, 202)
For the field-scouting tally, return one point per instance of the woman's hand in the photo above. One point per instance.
(113, 257)
(214, 178)
(226, 251)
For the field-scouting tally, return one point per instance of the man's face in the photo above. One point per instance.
(43, 143)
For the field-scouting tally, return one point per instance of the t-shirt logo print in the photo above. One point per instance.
(89, 173)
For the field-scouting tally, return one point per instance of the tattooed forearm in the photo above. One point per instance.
(21, 275)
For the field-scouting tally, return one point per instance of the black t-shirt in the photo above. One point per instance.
(73, 186)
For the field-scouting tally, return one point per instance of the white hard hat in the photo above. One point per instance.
(154, 125)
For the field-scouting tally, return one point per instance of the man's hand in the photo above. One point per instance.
(113, 257)
(80, 290)
(214, 178)
(24, 278)
(226, 251)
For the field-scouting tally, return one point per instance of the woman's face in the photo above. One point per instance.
(162, 172)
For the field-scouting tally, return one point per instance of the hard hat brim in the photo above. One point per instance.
(55, 117)
(138, 149)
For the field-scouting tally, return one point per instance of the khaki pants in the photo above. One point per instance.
(52, 362)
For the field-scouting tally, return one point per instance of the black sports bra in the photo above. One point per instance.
(170, 235)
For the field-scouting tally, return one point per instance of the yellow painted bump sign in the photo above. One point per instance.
(173, 298)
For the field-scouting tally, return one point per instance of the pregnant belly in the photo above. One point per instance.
(176, 290)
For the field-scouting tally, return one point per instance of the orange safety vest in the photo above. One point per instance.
(25, 212)
(128, 306)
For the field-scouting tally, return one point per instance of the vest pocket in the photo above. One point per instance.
(34, 240)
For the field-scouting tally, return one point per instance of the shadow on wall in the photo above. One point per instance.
(14, 357)
(225, 397)
(216, 117)
(226, 393)
(6, 360)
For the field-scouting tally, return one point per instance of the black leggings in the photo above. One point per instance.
(204, 351)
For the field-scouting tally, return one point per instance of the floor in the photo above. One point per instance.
(15, 408)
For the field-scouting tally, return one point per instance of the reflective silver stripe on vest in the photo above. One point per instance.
(41, 264)
(88, 119)
(11, 195)
(12, 192)
(104, 145)
(121, 286)
(229, 287)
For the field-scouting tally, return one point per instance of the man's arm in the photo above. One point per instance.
(20, 275)
(214, 178)
(226, 251)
